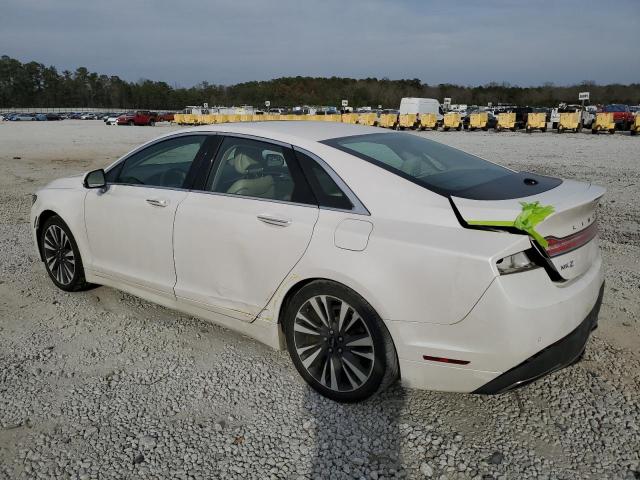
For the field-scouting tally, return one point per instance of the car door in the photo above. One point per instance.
(130, 224)
(236, 240)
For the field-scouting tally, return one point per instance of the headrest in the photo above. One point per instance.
(243, 160)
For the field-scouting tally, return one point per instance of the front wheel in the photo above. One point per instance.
(338, 343)
(61, 256)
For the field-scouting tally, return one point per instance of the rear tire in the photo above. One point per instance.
(61, 256)
(338, 343)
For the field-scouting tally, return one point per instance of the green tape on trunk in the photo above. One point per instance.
(530, 216)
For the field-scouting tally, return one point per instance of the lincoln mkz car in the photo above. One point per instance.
(370, 255)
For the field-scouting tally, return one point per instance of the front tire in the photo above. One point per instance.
(338, 343)
(61, 256)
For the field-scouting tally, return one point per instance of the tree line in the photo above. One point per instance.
(33, 84)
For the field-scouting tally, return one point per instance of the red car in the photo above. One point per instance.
(141, 117)
(622, 116)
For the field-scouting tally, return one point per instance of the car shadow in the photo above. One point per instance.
(354, 440)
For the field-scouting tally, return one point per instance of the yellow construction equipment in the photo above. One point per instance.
(635, 126)
(569, 121)
(478, 120)
(536, 121)
(407, 120)
(506, 120)
(388, 120)
(368, 119)
(452, 120)
(178, 118)
(603, 123)
(349, 118)
(428, 120)
(233, 118)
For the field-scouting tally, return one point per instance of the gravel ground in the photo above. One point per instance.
(103, 385)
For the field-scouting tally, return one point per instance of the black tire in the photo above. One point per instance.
(543, 129)
(130, 123)
(381, 364)
(62, 278)
(594, 131)
(152, 123)
(459, 127)
(633, 132)
(612, 131)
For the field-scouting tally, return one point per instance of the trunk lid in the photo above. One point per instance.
(566, 231)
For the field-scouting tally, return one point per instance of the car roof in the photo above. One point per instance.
(291, 130)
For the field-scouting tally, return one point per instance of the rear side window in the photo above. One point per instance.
(326, 190)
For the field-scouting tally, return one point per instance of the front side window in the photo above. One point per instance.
(253, 168)
(440, 168)
(163, 164)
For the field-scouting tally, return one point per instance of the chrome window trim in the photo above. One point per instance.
(358, 206)
(246, 197)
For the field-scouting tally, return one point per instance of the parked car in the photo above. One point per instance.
(23, 117)
(41, 117)
(126, 118)
(53, 116)
(165, 117)
(140, 117)
(372, 255)
(112, 119)
(622, 116)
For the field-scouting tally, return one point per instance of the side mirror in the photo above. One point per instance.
(95, 179)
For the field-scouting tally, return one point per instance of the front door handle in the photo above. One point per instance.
(157, 202)
(277, 221)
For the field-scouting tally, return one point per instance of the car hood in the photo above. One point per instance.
(67, 182)
(561, 221)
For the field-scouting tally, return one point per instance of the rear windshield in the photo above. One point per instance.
(440, 168)
(614, 108)
(431, 164)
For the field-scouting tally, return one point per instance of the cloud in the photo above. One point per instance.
(464, 42)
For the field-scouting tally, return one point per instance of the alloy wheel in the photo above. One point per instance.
(334, 343)
(58, 254)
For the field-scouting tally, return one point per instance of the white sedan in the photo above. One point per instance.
(370, 255)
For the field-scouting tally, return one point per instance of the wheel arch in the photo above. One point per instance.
(42, 219)
(299, 285)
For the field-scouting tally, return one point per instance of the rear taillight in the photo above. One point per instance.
(558, 246)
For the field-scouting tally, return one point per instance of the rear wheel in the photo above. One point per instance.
(338, 343)
(61, 256)
(612, 131)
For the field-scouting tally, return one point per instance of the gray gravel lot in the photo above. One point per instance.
(101, 384)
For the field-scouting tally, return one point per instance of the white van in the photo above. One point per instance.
(421, 105)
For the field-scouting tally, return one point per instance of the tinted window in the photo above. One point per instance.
(164, 164)
(258, 169)
(442, 169)
(325, 189)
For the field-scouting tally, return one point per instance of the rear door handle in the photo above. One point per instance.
(277, 221)
(157, 202)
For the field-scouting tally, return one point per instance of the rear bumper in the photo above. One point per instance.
(518, 318)
(564, 352)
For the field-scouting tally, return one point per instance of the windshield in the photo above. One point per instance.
(614, 108)
(440, 168)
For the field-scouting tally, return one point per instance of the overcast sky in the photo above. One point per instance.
(471, 42)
